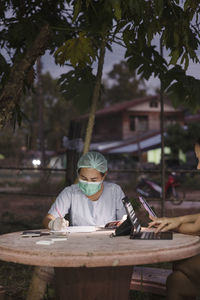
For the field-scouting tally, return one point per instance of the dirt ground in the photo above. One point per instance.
(19, 212)
(25, 206)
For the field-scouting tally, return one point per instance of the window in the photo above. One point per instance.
(153, 103)
(170, 120)
(132, 123)
(138, 123)
(142, 123)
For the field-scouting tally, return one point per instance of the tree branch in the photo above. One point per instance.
(13, 90)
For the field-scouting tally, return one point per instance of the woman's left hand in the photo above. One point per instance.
(164, 224)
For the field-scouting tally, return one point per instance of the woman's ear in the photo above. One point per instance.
(104, 176)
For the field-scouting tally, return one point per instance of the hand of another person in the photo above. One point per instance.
(122, 220)
(114, 224)
(164, 224)
(58, 224)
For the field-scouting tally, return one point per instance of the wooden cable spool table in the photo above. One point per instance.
(93, 265)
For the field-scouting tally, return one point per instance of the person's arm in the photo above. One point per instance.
(54, 220)
(120, 209)
(183, 224)
(53, 223)
(190, 228)
(189, 218)
(47, 219)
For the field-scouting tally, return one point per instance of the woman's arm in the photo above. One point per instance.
(189, 218)
(58, 210)
(183, 224)
(47, 219)
(190, 228)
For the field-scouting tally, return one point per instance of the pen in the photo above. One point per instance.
(59, 212)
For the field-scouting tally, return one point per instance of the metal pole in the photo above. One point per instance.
(162, 140)
(41, 112)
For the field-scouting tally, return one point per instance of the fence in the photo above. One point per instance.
(36, 182)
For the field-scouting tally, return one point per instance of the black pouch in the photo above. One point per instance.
(123, 229)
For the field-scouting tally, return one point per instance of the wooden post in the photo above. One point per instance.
(41, 277)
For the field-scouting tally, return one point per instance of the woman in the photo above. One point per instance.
(91, 202)
(185, 279)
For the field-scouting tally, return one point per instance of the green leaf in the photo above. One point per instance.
(175, 56)
(128, 34)
(135, 6)
(77, 50)
(186, 59)
(77, 8)
(159, 5)
(185, 91)
(77, 85)
(117, 9)
(88, 2)
(150, 34)
(176, 38)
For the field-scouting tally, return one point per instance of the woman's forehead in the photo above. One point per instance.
(89, 172)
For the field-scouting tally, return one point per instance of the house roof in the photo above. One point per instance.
(192, 118)
(144, 142)
(123, 106)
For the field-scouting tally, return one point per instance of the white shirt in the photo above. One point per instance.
(85, 212)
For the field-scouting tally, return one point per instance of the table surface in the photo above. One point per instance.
(95, 249)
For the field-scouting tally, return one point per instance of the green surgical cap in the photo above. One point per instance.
(94, 160)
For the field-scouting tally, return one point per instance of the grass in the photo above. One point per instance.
(15, 278)
(192, 182)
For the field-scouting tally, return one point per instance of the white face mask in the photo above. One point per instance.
(89, 188)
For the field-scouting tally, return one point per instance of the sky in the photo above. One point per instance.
(112, 58)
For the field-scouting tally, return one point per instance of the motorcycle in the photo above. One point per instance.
(151, 189)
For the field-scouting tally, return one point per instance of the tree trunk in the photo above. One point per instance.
(12, 92)
(41, 277)
(95, 98)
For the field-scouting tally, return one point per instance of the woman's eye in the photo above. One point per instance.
(85, 179)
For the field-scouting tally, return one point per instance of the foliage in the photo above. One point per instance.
(76, 29)
(10, 142)
(192, 182)
(15, 278)
(184, 89)
(182, 138)
(177, 27)
(77, 85)
(175, 138)
(125, 85)
(192, 134)
(78, 51)
(57, 113)
(24, 36)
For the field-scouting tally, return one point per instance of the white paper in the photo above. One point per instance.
(81, 229)
(59, 239)
(76, 229)
(44, 242)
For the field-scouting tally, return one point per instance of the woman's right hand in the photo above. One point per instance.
(164, 224)
(58, 224)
